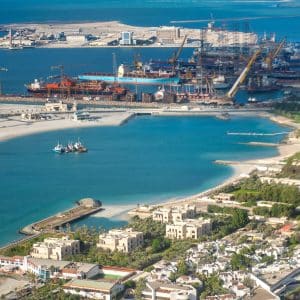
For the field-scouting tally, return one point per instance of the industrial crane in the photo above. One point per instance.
(62, 72)
(231, 93)
(2, 69)
(273, 54)
(176, 55)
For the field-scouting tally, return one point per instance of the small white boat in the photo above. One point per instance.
(252, 100)
(58, 149)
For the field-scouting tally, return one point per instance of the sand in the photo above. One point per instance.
(13, 127)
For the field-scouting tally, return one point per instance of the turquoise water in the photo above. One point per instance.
(146, 160)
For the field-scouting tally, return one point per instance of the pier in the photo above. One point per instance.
(84, 208)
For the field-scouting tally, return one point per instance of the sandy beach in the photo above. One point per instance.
(14, 126)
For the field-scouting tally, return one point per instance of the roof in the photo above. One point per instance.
(162, 285)
(11, 258)
(48, 262)
(121, 269)
(98, 285)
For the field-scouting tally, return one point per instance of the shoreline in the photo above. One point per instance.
(239, 169)
(244, 167)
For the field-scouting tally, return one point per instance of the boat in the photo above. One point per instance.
(223, 116)
(252, 100)
(72, 87)
(59, 148)
(145, 76)
(79, 147)
(70, 148)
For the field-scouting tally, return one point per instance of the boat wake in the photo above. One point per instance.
(257, 133)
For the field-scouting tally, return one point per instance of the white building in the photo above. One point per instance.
(76, 38)
(121, 240)
(93, 289)
(158, 290)
(126, 38)
(47, 268)
(9, 263)
(55, 248)
(189, 228)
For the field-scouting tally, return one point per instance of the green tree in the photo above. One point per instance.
(240, 262)
(182, 268)
(140, 286)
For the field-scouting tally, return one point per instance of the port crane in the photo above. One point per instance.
(231, 93)
(176, 55)
(62, 70)
(2, 69)
(273, 54)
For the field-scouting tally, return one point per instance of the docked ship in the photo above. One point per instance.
(72, 87)
(145, 76)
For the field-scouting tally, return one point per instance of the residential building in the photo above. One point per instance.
(47, 268)
(121, 240)
(55, 248)
(174, 214)
(189, 228)
(93, 289)
(158, 290)
(9, 263)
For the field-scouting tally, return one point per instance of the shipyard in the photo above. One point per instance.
(222, 63)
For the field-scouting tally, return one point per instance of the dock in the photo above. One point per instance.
(83, 208)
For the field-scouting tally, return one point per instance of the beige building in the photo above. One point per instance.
(188, 229)
(168, 34)
(55, 248)
(174, 214)
(121, 240)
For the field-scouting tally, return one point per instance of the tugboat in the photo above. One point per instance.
(59, 149)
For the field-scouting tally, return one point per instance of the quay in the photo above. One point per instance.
(84, 208)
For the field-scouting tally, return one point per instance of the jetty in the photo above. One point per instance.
(83, 208)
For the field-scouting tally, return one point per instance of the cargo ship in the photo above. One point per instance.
(72, 87)
(143, 77)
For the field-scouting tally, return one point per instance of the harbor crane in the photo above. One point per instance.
(176, 55)
(62, 70)
(231, 93)
(2, 69)
(273, 54)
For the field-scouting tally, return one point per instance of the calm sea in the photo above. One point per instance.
(161, 12)
(146, 160)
